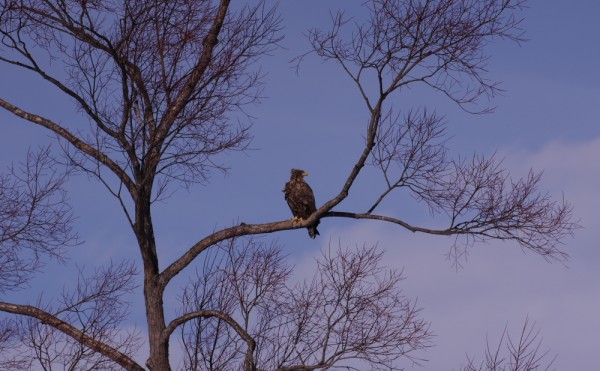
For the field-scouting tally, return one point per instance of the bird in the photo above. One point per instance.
(301, 199)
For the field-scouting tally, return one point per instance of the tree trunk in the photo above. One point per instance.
(159, 348)
(153, 291)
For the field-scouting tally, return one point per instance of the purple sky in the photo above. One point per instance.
(548, 119)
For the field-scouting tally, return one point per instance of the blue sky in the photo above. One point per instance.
(548, 118)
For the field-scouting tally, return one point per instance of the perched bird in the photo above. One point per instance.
(301, 199)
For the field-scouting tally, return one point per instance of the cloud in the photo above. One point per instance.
(571, 169)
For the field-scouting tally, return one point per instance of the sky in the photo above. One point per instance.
(548, 119)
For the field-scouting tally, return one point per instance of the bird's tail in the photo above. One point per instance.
(313, 232)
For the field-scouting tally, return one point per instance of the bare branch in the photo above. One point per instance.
(51, 320)
(352, 309)
(439, 43)
(74, 140)
(482, 203)
(9, 342)
(242, 279)
(410, 155)
(206, 314)
(90, 316)
(522, 355)
(35, 220)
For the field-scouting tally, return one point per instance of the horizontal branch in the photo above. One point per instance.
(526, 235)
(342, 214)
(76, 334)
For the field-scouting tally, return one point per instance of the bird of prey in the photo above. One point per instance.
(301, 199)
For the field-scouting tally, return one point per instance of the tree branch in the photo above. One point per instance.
(236, 231)
(196, 74)
(343, 214)
(249, 359)
(75, 141)
(49, 319)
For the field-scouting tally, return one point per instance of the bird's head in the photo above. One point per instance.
(297, 173)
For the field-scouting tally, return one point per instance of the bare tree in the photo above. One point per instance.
(162, 87)
(524, 354)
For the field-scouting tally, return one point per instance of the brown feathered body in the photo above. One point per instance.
(301, 199)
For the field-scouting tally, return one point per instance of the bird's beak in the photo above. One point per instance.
(305, 174)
